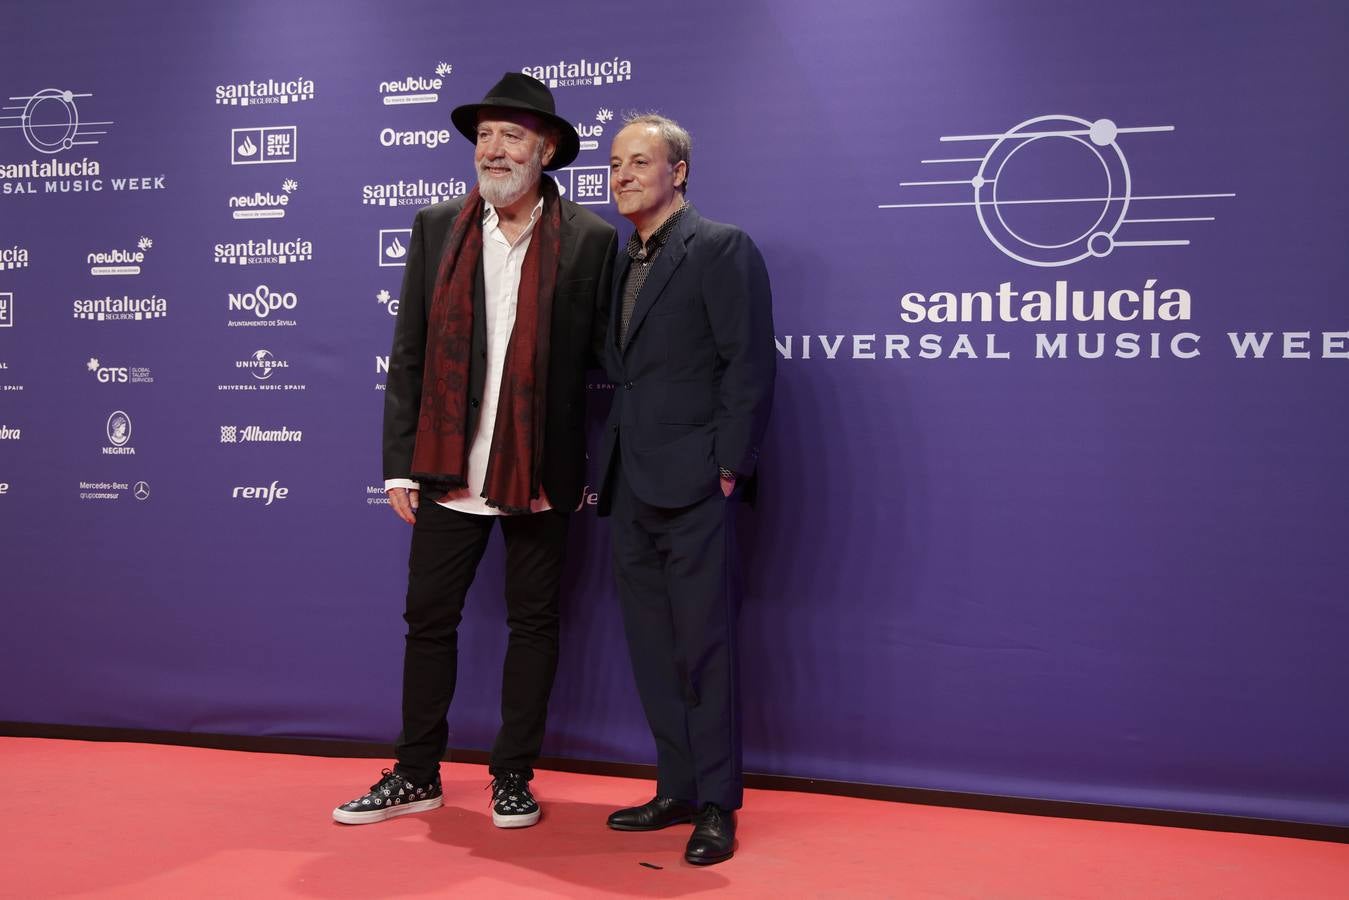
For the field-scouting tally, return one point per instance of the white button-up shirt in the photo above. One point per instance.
(502, 262)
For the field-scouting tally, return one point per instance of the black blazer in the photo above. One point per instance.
(580, 319)
(694, 384)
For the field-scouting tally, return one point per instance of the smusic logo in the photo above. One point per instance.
(267, 251)
(6, 310)
(263, 146)
(393, 245)
(257, 93)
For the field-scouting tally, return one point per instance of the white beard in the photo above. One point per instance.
(504, 192)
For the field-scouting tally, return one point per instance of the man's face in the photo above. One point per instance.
(510, 154)
(641, 177)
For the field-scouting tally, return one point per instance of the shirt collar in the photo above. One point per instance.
(490, 214)
(637, 250)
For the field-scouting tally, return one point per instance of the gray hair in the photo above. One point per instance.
(678, 144)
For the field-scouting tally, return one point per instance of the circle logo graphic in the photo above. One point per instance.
(1093, 185)
(141, 490)
(119, 429)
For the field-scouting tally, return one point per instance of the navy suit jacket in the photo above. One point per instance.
(694, 382)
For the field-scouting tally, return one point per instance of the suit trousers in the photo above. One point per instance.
(447, 546)
(676, 571)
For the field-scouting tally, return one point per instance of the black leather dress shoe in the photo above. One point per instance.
(659, 812)
(713, 838)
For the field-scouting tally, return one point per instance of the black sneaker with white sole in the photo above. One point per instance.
(393, 795)
(513, 806)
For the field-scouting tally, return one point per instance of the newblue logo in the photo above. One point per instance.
(119, 261)
(264, 204)
(256, 93)
(415, 88)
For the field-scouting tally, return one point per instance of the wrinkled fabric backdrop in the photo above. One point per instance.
(1054, 499)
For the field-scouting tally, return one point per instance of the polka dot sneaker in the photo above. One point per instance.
(393, 795)
(513, 806)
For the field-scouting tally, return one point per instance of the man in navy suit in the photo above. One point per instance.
(690, 350)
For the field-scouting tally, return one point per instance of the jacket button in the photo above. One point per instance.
(627, 386)
(474, 402)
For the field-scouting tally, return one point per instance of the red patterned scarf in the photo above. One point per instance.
(440, 455)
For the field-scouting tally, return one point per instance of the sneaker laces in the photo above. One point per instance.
(509, 781)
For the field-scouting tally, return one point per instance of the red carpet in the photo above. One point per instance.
(131, 820)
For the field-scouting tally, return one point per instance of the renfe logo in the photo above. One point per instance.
(268, 493)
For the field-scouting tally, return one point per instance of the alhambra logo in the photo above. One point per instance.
(1093, 208)
(119, 261)
(581, 72)
(415, 88)
(412, 193)
(264, 204)
(259, 93)
(15, 257)
(264, 252)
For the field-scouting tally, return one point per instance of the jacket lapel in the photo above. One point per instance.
(661, 271)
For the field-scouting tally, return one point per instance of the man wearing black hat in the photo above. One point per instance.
(503, 308)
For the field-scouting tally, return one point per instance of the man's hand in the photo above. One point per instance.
(727, 486)
(404, 503)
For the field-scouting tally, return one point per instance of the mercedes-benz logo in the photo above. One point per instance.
(141, 490)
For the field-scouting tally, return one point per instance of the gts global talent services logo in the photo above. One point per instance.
(106, 374)
(415, 88)
(264, 252)
(259, 93)
(582, 72)
(119, 261)
(14, 257)
(264, 204)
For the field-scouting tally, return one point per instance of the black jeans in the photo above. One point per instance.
(446, 548)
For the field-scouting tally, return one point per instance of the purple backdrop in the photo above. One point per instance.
(1000, 564)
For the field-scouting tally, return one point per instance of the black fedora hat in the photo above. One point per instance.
(516, 90)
